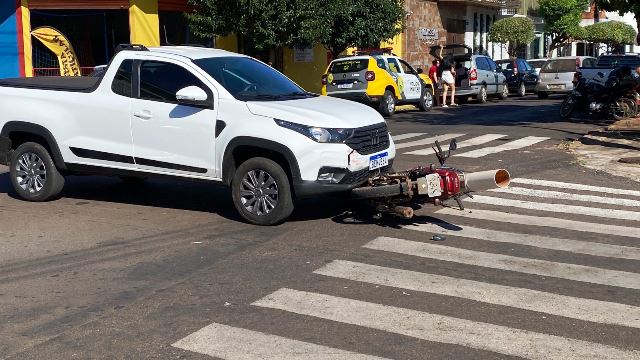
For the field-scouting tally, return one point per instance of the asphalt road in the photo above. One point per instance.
(548, 269)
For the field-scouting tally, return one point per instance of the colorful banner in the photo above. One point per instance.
(59, 45)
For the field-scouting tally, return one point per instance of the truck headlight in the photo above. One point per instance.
(318, 134)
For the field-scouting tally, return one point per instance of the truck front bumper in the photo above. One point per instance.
(348, 180)
(5, 150)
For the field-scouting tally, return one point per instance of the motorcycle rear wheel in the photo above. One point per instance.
(567, 107)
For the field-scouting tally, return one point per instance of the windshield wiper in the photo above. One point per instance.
(299, 93)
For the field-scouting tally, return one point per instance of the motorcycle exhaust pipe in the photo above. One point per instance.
(485, 180)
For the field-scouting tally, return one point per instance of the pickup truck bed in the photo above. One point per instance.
(56, 83)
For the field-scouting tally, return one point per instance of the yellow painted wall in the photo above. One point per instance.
(229, 42)
(26, 38)
(144, 23)
(396, 43)
(307, 74)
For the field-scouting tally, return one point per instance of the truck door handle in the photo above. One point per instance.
(144, 115)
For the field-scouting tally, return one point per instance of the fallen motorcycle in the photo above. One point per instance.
(399, 193)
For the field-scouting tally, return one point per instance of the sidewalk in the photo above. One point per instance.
(615, 149)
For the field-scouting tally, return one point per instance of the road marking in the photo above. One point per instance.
(471, 142)
(564, 185)
(567, 196)
(510, 263)
(427, 141)
(513, 145)
(232, 343)
(439, 328)
(406, 136)
(528, 220)
(545, 242)
(560, 305)
(558, 208)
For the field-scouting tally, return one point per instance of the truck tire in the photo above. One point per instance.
(426, 101)
(482, 95)
(388, 104)
(261, 192)
(34, 175)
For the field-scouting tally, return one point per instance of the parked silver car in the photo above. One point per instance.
(556, 76)
(476, 75)
(537, 64)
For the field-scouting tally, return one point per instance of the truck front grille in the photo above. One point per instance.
(369, 139)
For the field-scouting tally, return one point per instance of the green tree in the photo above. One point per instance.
(268, 23)
(562, 20)
(612, 33)
(353, 23)
(517, 32)
(337, 24)
(622, 7)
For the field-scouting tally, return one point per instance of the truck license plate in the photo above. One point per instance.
(378, 161)
(345, 86)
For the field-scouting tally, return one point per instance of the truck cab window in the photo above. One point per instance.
(121, 84)
(160, 81)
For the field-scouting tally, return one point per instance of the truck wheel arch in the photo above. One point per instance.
(242, 148)
(25, 131)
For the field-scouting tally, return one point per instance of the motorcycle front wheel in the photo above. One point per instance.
(567, 107)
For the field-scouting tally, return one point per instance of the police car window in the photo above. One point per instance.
(407, 68)
(381, 64)
(348, 66)
(393, 66)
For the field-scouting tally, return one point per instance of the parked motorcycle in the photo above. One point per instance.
(613, 97)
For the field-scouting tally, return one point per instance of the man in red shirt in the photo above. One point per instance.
(433, 75)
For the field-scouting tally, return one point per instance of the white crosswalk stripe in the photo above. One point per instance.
(399, 137)
(513, 145)
(227, 342)
(567, 196)
(546, 242)
(479, 140)
(506, 262)
(428, 141)
(544, 221)
(567, 306)
(582, 187)
(439, 328)
(233, 343)
(557, 208)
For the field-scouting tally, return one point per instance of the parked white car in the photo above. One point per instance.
(557, 74)
(192, 113)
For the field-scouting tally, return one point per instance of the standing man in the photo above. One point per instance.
(433, 75)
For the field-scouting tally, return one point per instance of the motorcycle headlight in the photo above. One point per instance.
(318, 134)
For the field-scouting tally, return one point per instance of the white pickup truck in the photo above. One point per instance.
(192, 113)
(605, 65)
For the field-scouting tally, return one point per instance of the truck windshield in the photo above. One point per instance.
(250, 80)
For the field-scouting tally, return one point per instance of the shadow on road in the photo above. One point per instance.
(527, 111)
(176, 194)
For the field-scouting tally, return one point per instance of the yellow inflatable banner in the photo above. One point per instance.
(59, 45)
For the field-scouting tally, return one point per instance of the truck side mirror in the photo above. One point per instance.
(192, 95)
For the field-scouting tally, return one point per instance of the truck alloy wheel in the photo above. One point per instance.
(33, 173)
(261, 192)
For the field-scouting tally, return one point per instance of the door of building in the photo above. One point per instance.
(455, 31)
